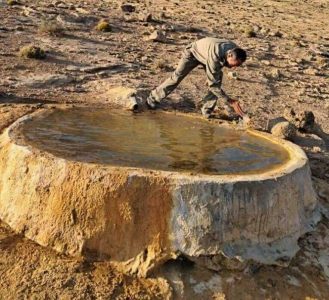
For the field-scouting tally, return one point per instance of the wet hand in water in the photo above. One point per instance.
(237, 108)
(245, 122)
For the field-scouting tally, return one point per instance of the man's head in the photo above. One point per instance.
(235, 57)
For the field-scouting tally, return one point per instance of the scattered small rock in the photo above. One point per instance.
(249, 32)
(266, 62)
(304, 121)
(316, 149)
(157, 36)
(128, 8)
(277, 34)
(256, 28)
(264, 31)
(284, 130)
(310, 71)
(145, 59)
(72, 68)
(171, 28)
(162, 15)
(233, 75)
(100, 68)
(75, 19)
(124, 96)
(318, 51)
(62, 5)
(46, 81)
(148, 18)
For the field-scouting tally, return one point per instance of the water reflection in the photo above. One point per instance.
(152, 140)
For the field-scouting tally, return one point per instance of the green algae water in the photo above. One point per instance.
(152, 140)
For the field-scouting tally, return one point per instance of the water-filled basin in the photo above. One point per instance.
(142, 189)
(162, 141)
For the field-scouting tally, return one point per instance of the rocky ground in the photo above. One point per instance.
(288, 44)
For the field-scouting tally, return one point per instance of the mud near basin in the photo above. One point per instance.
(163, 141)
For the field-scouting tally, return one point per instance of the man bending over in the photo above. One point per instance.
(213, 54)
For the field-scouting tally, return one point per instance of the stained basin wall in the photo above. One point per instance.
(141, 217)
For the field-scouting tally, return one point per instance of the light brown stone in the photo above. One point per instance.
(140, 218)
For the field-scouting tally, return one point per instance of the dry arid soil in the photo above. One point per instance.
(288, 44)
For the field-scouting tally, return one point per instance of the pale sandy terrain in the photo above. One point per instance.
(285, 69)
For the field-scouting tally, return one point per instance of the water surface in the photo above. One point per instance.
(152, 140)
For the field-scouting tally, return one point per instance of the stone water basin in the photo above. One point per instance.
(140, 189)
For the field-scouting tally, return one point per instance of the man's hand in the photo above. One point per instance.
(237, 108)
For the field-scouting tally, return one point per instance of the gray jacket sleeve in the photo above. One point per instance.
(214, 73)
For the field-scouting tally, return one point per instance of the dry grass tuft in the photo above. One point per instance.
(51, 28)
(12, 2)
(163, 65)
(103, 26)
(31, 51)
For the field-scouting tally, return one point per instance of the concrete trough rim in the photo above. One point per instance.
(297, 157)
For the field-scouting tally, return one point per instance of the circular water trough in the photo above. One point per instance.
(141, 189)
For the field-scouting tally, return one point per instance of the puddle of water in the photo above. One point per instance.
(152, 140)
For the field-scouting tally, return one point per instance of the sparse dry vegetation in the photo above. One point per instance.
(163, 65)
(12, 2)
(287, 67)
(51, 27)
(32, 51)
(103, 26)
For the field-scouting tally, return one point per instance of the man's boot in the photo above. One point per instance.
(206, 112)
(208, 108)
(151, 102)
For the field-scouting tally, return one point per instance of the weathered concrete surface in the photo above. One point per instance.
(141, 218)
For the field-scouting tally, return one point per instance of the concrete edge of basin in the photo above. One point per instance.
(75, 208)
